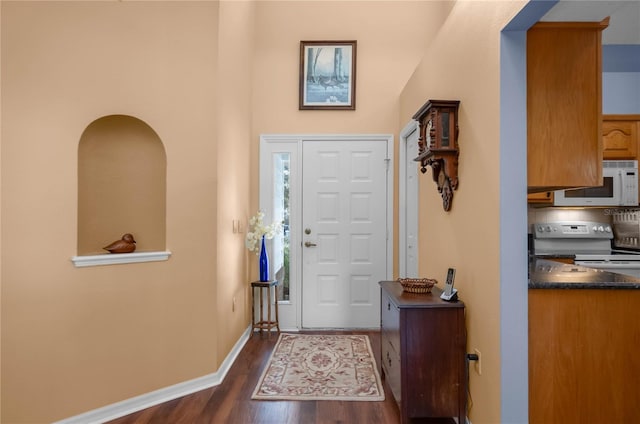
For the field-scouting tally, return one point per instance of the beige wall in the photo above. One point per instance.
(209, 78)
(208, 90)
(391, 39)
(235, 67)
(77, 339)
(464, 65)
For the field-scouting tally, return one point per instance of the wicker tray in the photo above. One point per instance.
(417, 285)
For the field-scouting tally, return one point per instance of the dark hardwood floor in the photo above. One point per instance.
(230, 402)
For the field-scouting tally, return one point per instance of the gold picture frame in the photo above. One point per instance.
(328, 75)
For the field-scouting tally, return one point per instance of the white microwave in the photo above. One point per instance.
(620, 187)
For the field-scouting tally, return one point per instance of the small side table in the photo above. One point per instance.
(264, 324)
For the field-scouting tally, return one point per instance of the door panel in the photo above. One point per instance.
(344, 232)
(410, 212)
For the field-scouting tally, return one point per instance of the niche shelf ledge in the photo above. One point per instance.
(119, 258)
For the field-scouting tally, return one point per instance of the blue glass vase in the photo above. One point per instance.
(264, 263)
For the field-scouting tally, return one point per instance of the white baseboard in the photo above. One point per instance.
(138, 403)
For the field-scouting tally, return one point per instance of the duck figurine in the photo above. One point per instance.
(125, 245)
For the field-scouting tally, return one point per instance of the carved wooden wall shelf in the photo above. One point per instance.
(438, 145)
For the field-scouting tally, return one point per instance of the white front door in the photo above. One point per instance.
(344, 232)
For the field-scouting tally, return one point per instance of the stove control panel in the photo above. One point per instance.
(572, 229)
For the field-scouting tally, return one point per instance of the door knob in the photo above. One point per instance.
(309, 244)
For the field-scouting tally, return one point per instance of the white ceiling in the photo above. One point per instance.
(624, 25)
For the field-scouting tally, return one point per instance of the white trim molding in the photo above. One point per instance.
(119, 258)
(138, 403)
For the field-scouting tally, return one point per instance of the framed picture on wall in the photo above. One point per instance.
(328, 75)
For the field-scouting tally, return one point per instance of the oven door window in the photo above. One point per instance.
(603, 192)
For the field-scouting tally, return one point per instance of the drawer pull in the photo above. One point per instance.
(388, 306)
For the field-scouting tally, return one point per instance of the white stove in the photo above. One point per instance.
(589, 242)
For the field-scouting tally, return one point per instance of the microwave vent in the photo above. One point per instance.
(620, 164)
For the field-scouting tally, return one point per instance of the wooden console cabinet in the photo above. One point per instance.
(423, 344)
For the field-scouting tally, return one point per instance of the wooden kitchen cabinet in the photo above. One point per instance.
(583, 359)
(564, 105)
(423, 348)
(620, 136)
(543, 198)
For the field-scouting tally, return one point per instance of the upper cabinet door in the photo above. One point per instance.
(564, 105)
(620, 136)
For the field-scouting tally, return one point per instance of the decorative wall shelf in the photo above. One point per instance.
(113, 145)
(120, 258)
(438, 145)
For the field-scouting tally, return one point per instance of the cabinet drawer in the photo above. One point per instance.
(390, 322)
(391, 367)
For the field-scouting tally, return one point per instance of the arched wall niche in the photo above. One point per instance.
(122, 168)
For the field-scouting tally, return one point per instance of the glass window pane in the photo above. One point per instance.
(445, 129)
(281, 212)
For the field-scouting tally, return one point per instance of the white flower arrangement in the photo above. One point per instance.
(257, 229)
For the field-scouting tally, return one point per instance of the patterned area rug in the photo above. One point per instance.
(320, 367)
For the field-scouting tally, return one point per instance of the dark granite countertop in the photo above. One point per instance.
(548, 274)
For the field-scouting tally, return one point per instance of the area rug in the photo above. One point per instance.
(320, 367)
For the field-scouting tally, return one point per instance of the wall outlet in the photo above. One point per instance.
(478, 364)
(237, 226)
